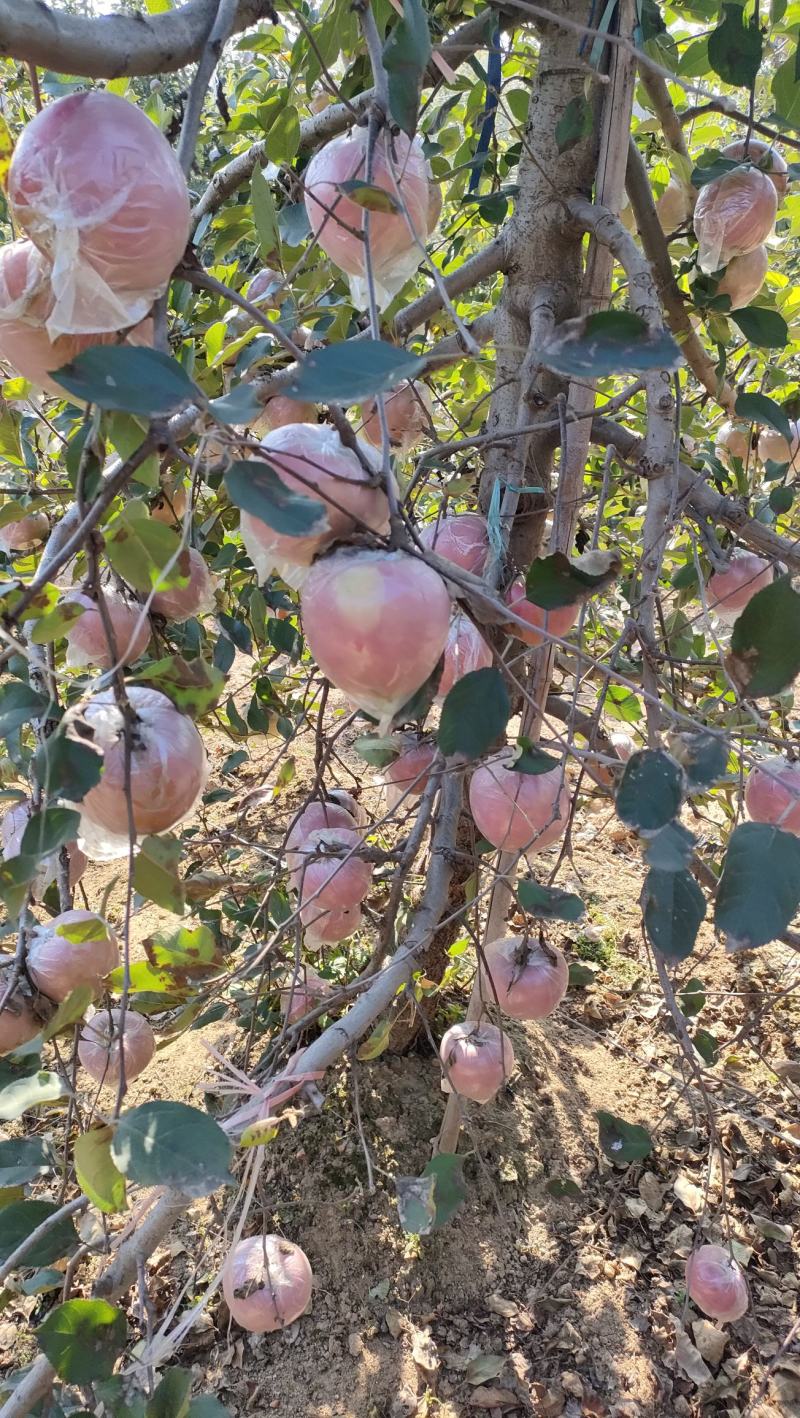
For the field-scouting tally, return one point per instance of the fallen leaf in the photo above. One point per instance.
(546, 1402)
(500, 1306)
(492, 1398)
(394, 1323)
(572, 1383)
(355, 1344)
(651, 1191)
(688, 1358)
(485, 1367)
(424, 1352)
(787, 1068)
(710, 1341)
(770, 1229)
(687, 1192)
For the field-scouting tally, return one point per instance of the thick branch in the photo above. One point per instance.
(114, 46)
(703, 502)
(657, 251)
(655, 86)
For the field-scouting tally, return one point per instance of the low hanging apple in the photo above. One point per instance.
(729, 591)
(772, 794)
(408, 774)
(716, 1284)
(182, 603)
(744, 276)
(279, 412)
(734, 214)
(338, 222)
(303, 993)
(267, 1283)
(477, 1059)
(18, 1023)
(26, 302)
(331, 927)
(673, 207)
(329, 874)
(105, 1041)
(732, 441)
(58, 965)
(87, 640)
(465, 651)
(558, 621)
(25, 533)
(97, 188)
(315, 817)
(168, 771)
(525, 978)
(462, 538)
(773, 447)
(376, 622)
(408, 418)
(311, 460)
(518, 811)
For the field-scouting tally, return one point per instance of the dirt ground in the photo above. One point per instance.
(529, 1303)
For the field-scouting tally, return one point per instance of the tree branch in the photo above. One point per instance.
(657, 252)
(114, 46)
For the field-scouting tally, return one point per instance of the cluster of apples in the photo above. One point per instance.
(733, 440)
(326, 870)
(104, 205)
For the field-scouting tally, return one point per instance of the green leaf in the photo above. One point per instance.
(351, 371)
(428, 1202)
(66, 768)
(706, 1046)
(735, 49)
(671, 849)
(171, 1398)
(29, 1092)
(554, 581)
(674, 910)
(128, 377)
(83, 1339)
(449, 1193)
(241, 406)
(761, 409)
(207, 1407)
(139, 548)
(171, 1145)
(155, 873)
(69, 1011)
(79, 932)
(703, 756)
(762, 327)
(621, 1141)
(547, 903)
(651, 790)
(21, 1218)
(284, 135)
(368, 196)
(406, 55)
(533, 760)
(378, 1041)
(786, 92)
(474, 713)
(582, 975)
(377, 752)
(255, 487)
(759, 890)
(609, 342)
(574, 124)
(19, 704)
(194, 686)
(47, 831)
(765, 643)
(95, 1171)
(264, 214)
(185, 953)
(56, 623)
(22, 1159)
(692, 997)
(16, 875)
(781, 499)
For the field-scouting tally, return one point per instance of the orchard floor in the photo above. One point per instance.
(528, 1303)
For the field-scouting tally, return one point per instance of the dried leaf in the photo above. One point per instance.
(424, 1352)
(492, 1398)
(688, 1358)
(710, 1341)
(500, 1306)
(485, 1367)
(689, 1193)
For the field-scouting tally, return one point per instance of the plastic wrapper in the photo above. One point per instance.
(407, 776)
(673, 207)
(303, 993)
(728, 591)
(462, 539)
(478, 1059)
(558, 621)
(328, 875)
(267, 1283)
(376, 622)
(774, 448)
(97, 187)
(311, 459)
(100, 1046)
(465, 651)
(279, 411)
(57, 966)
(316, 816)
(764, 156)
(26, 300)
(12, 828)
(399, 168)
(169, 770)
(87, 642)
(518, 811)
(26, 533)
(331, 927)
(526, 978)
(744, 276)
(198, 598)
(18, 1023)
(733, 215)
(732, 441)
(717, 1284)
(772, 794)
(408, 417)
